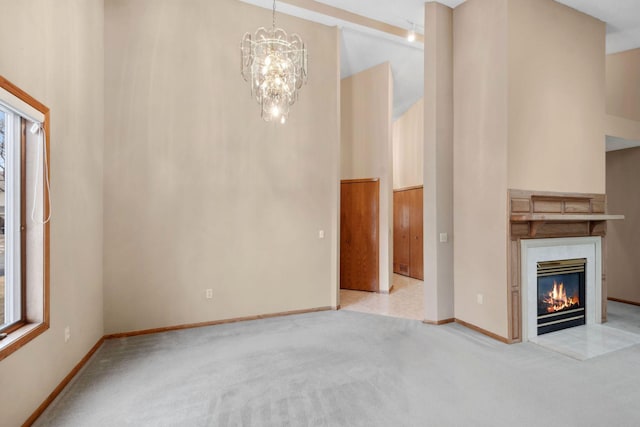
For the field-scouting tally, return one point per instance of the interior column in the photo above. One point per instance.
(438, 163)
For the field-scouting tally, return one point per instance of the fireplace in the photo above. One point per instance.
(561, 296)
(586, 252)
(550, 226)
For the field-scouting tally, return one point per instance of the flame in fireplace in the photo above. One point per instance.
(557, 299)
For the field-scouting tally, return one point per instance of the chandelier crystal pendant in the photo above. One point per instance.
(276, 66)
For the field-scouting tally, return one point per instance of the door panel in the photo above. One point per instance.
(416, 231)
(359, 219)
(401, 233)
(407, 228)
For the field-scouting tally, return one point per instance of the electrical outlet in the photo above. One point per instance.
(480, 299)
(67, 334)
(209, 293)
(320, 234)
(444, 237)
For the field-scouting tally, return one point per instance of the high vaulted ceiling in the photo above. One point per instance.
(363, 47)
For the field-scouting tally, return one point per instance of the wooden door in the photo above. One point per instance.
(359, 219)
(401, 233)
(407, 233)
(416, 246)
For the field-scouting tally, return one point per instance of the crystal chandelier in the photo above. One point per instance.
(276, 65)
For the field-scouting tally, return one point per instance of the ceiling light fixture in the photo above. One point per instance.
(411, 36)
(276, 66)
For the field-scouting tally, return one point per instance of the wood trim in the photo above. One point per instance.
(213, 323)
(22, 95)
(563, 217)
(483, 331)
(624, 301)
(439, 322)
(43, 406)
(12, 346)
(415, 187)
(525, 194)
(358, 180)
(354, 18)
(13, 327)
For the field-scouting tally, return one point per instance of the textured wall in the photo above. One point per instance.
(366, 147)
(408, 145)
(199, 191)
(54, 51)
(623, 237)
(556, 98)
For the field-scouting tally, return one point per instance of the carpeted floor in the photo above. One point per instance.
(346, 369)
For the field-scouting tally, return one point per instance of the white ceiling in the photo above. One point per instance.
(614, 143)
(362, 48)
(622, 18)
(359, 51)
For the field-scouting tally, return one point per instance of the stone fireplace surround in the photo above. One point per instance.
(554, 225)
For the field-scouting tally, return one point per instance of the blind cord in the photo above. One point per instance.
(41, 149)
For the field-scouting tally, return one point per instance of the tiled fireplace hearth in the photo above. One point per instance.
(562, 229)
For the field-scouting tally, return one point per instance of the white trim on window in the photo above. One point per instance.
(12, 265)
(15, 104)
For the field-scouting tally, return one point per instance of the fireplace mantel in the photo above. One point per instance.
(550, 215)
(538, 220)
(564, 218)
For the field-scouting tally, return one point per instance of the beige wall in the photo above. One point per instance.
(556, 98)
(623, 95)
(529, 114)
(199, 191)
(366, 148)
(438, 163)
(623, 84)
(480, 163)
(54, 51)
(623, 237)
(408, 144)
(622, 128)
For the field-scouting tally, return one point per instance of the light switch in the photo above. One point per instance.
(320, 234)
(444, 238)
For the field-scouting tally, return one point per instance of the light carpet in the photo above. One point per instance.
(344, 368)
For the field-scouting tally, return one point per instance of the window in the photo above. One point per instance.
(11, 291)
(24, 214)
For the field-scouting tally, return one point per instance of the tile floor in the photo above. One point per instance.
(406, 299)
(588, 341)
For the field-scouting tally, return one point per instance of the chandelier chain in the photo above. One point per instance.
(274, 14)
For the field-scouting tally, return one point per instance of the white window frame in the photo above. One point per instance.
(12, 226)
(34, 233)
